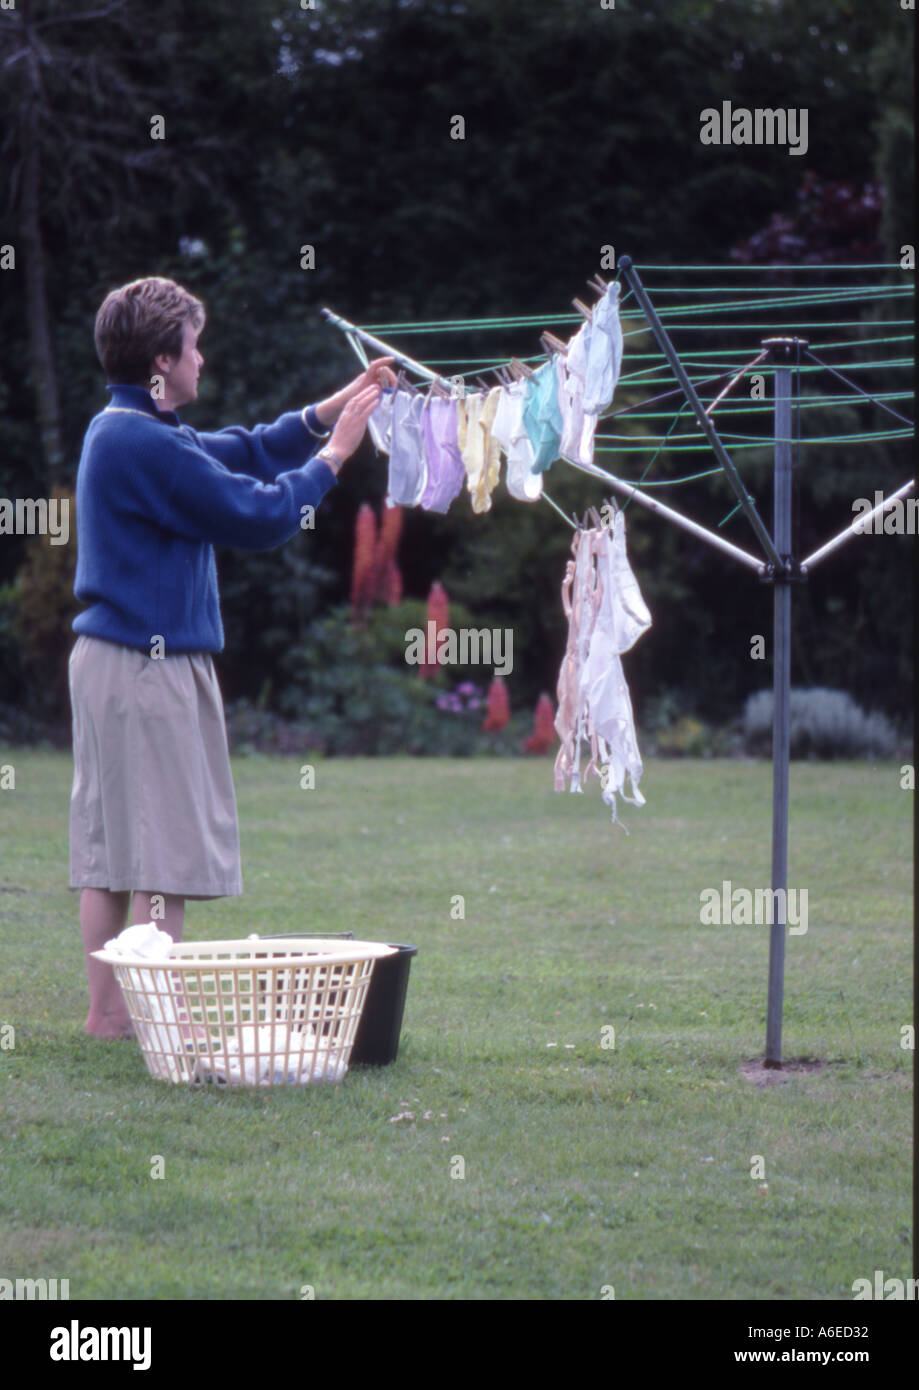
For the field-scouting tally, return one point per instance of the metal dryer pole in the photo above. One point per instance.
(782, 352)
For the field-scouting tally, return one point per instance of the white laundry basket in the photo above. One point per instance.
(248, 1013)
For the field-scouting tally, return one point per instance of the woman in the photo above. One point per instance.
(153, 812)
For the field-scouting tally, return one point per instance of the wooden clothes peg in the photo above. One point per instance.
(435, 388)
(553, 344)
(583, 309)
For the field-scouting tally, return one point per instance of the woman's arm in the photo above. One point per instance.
(269, 450)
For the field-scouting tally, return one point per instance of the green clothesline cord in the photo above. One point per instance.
(829, 290)
(487, 364)
(555, 507)
(758, 407)
(631, 446)
(857, 436)
(725, 519)
(639, 376)
(655, 359)
(550, 320)
(785, 297)
(761, 269)
(681, 311)
(675, 482)
(771, 330)
(740, 352)
(808, 323)
(660, 450)
(789, 300)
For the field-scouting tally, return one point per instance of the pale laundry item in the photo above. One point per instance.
(622, 618)
(564, 400)
(446, 471)
(607, 615)
(407, 470)
(604, 352)
(270, 1054)
(379, 422)
(481, 454)
(580, 602)
(577, 441)
(143, 939)
(542, 415)
(510, 432)
(148, 942)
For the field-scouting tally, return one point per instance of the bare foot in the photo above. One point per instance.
(108, 1028)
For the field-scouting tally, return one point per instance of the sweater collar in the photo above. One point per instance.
(139, 398)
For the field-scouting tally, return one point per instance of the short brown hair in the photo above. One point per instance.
(138, 322)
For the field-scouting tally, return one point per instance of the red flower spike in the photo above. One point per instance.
(392, 585)
(363, 569)
(543, 738)
(439, 614)
(498, 710)
(386, 547)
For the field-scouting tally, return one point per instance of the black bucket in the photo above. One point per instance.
(377, 1040)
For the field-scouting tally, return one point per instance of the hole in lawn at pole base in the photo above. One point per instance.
(762, 1073)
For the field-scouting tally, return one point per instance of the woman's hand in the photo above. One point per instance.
(352, 422)
(379, 373)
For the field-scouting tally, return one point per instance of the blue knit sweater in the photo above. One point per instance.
(154, 497)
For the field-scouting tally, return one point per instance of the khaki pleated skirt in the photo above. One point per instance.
(152, 806)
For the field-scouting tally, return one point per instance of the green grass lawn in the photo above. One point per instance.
(585, 1166)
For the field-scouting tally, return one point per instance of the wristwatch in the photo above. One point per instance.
(330, 457)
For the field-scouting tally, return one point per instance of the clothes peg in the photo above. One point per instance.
(521, 368)
(583, 309)
(598, 285)
(553, 344)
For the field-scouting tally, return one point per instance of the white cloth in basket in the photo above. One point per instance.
(240, 1064)
(145, 939)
